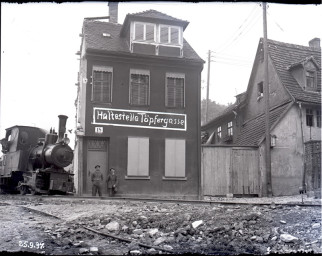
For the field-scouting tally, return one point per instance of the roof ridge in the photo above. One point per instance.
(155, 11)
(289, 45)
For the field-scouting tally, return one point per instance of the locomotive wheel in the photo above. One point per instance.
(33, 192)
(23, 190)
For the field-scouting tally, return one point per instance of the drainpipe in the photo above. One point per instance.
(302, 136)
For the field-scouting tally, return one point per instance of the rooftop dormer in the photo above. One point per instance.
(154, 33)
(305, 73)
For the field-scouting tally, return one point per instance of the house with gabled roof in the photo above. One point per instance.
(294, 116)
(138, 106)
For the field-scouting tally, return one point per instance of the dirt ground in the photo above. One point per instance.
(159, 227)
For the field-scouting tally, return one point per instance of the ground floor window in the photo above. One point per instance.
(175, 158)
(138, 156)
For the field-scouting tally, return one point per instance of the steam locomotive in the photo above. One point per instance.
(33, 160)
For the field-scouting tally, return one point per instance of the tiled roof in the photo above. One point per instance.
(254, 129)
(226, 111)
(285, 55)
(156, 15)
(94, 39)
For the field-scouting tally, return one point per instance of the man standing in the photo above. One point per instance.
(112, 182)
(97, 178)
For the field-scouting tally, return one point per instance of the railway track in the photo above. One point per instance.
(104, 234)
(177, 201)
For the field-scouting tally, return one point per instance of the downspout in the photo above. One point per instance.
(303, 156)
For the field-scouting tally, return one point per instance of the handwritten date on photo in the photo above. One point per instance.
(31, 245)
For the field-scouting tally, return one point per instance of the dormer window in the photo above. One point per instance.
(310, 80)
(170, 35)
(144, 32)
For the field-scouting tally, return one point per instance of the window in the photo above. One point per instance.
(138, 156)
(175, 158)
(175, 90)
(230, 129)
(310, 79)
(169, 35)
(139, 87)
(219, 133)
(318, 118)
(102, 84)
(309, 117)
(260, 90)
(144, 32)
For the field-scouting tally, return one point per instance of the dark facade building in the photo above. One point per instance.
(295, 115)
(138, 106)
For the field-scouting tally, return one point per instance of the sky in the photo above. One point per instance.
(39, 42)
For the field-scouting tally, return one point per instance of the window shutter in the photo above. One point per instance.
(175, 92)
(138, 157)
(139, 89)
(175, 158)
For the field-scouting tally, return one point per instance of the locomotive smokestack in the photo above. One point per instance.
(61, 127)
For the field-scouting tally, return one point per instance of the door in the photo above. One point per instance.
(245, 172)
(97, 154)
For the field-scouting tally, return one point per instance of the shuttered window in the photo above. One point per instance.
(138, 156)
(175, 90)
(102, 84)
(139, 87)
(175, 158)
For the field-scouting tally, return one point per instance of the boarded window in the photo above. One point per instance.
(138, 156)
(175, 158)
(139, 87)
(102, 85)
(175, 90)
(309, 117)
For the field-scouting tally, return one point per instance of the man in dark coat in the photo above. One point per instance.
(112, 182)
(97, 178)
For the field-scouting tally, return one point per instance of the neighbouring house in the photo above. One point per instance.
(234, 148)
(138, 106)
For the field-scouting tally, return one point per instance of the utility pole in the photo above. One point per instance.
(266, 97)
(208, 79)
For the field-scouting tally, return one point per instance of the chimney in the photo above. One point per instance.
(315, 43)
(113, 9)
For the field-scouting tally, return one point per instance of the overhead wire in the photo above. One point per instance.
(241, 29)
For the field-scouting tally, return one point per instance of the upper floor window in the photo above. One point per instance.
(310, 79)
(309, 117)
(260, 90)
(219, 133)
(169, 35)
(139, 87)
(175, 90)
(230, 129)
(144, 32)
(318, 118)
(102, 84)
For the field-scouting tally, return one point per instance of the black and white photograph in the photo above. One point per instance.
(160, 128)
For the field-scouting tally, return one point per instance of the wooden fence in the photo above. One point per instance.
(229, 170)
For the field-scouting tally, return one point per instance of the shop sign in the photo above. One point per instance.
(139, 119)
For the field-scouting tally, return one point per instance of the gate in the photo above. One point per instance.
(229, 170)
(245, 172)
